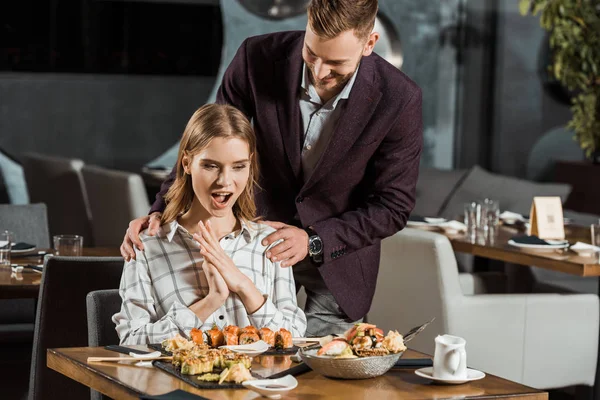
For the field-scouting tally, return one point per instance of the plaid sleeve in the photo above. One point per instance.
(137, 322)
(280, 309)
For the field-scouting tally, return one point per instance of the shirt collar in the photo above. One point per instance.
(171, 228)
(309, 89)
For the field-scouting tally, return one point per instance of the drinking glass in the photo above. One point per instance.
(6, 239)
(490, 215)
(68, 245)
(595, 230)
(472, 211)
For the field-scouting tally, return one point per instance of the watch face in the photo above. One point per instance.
(316, 246)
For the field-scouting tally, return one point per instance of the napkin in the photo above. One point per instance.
(174, 395)
(511, 217)
(524, 239)
(585, 249)
(452, 226)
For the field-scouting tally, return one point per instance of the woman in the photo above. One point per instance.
(207, 266)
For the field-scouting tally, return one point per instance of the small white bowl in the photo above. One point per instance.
(272, 388)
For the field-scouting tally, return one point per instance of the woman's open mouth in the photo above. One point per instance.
(221, 199)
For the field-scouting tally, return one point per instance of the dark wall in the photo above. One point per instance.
(116, 121)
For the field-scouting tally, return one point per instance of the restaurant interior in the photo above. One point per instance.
(502, 248)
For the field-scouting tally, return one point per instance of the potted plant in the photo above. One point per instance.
(574, 30)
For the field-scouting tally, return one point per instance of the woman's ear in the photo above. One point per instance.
(185, 163)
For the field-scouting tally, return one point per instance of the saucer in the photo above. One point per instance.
(472, 375)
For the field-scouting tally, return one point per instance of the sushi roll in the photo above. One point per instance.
(248, 337)
(215, 337)
(283, 339)
(196, 336)
(267, 336)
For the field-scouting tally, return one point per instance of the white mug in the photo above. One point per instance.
(450, 358)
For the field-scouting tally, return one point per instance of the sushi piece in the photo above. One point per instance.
(196, 365)
(249, 329)
(335, 348)
(229, 358)
(230, 338)
(232, 328)
(196, 336)
(267, 336)
(394, 342)
(247, 338)
(283, 339)
(215, 337)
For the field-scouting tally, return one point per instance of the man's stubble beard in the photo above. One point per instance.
(339, 83)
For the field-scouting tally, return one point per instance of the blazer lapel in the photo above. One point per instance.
(361, 104)
(288, 72)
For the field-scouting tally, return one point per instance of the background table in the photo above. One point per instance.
(26, 284)
(125, 381)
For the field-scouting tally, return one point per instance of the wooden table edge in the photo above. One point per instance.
(115, 389)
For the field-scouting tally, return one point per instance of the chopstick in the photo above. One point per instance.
(100, 359)
(306, 339)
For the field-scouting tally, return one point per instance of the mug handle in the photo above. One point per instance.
(453, 360)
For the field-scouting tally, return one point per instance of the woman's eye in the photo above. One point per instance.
(210, 166)
(239, 167)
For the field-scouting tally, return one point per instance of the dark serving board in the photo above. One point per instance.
(271, 352)
(192, 379)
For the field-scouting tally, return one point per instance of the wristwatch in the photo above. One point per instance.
(315, 246)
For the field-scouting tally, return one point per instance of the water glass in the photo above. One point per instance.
(490, 215)
(471, 219)
(595, 230)
(68, 245)
(6, 239)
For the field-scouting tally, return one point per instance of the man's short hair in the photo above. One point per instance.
(329, 18)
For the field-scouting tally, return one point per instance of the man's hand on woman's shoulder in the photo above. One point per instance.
(132, 236)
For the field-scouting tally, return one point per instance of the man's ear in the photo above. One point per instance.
(370, 44)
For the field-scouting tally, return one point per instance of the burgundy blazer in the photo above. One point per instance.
(362, 189)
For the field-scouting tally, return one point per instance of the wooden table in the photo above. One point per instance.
(125, 381)
(497, 248)
(26, 284)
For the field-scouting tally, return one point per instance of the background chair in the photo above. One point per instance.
(61, 318)
(115, 198)
(101, 306)
(58, 183)
(29, 223)
(527, 338)
(13, 189)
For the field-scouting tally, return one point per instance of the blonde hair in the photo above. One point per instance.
(208, 122)
(329, 18)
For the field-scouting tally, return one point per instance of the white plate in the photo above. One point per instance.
(252, 349)
(472, 375)
(23, 251)
(272, 388)
(553, 245)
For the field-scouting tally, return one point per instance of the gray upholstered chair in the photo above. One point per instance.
(61, 317)
(58, 183)
(101, 306)
(540, 340)
(29, 223)
(115, 198)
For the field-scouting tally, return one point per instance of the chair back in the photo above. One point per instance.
(417, 280)
(61, 317)
(58, 183)
(13, 188)
(115, 198)
(29, 223)
(101, 306)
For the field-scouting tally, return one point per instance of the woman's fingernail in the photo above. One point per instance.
(274, 258)
(268, 254)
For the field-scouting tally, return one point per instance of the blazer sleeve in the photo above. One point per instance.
(394, 169)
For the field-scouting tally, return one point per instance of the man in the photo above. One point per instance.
(339, 140)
